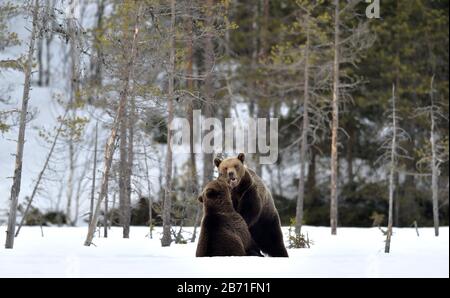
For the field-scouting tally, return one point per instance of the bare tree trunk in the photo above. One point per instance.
(94, 174)
(335, 127)
(167, 238)
(397, 203)
(109, 150)
(209, 63)
(434, 166)
(392, 173)
(123, 176)
(311, 181)
(112, 209)
(304, 136)
(149, 190)
(48, 41)
(74, 95)
(130, 158)
(190, 115)
(105, 218)
(80, 186)
(41, 174)
(15, 189)
(40, 45)
(70, 180)
(350, 143)
(49, 59)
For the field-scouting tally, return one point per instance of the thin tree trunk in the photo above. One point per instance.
(109, 150)
(149, 191)
(49, 59)
(41, 174)
(190, 115)
(94, 174)
(78, 194)
(280, 179)
(48, 41)
(129, 172)
(70, 179)
(123, 176)
(434, 166)
(105, 218)
(167, 238)
(112, 209)
(209, 62)
(74, 95)
(311, 181)
(350, 144)
(15, 189)
(397, 203)
(335, 126)
(392, 173)
(304, 136)
(40, 45)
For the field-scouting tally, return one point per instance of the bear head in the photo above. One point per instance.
(216, 195)
(232, 169)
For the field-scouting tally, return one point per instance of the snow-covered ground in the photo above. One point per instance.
(354, 252)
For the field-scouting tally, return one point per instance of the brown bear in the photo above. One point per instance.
(253, 200)
(223, 231)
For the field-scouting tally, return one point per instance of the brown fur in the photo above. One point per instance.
(253, 200)
(223, 231)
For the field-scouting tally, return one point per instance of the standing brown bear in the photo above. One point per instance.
(252, 199)
(223, 231)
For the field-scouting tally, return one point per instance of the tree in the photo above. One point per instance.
(392, 171)
(167, 238)
(335, 124)
(392, 152)
(94, 174)
(41, 174)
(438, 153)
(308, 128)
(15, 189)
(120, 113)
(190, 116)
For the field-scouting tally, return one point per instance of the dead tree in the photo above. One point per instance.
(167, 238)
(94, 173)
(392, 172)
(392, 152)
(190, 115)
(130, 158)
(74, 53)
(41, 174)
(437, 156)
(15, 189)
(304, 135)
(110, 145)
(123, 177)
(335, 125)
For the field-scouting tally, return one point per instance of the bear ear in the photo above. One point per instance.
(217, 161)
(241, 157)
(200, 198)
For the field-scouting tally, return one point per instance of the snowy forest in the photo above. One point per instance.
(89, 89)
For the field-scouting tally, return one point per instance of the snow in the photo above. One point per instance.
(354, 252)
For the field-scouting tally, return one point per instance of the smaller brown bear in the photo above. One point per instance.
(223, 231)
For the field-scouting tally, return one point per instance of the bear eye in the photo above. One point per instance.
(237, 167)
